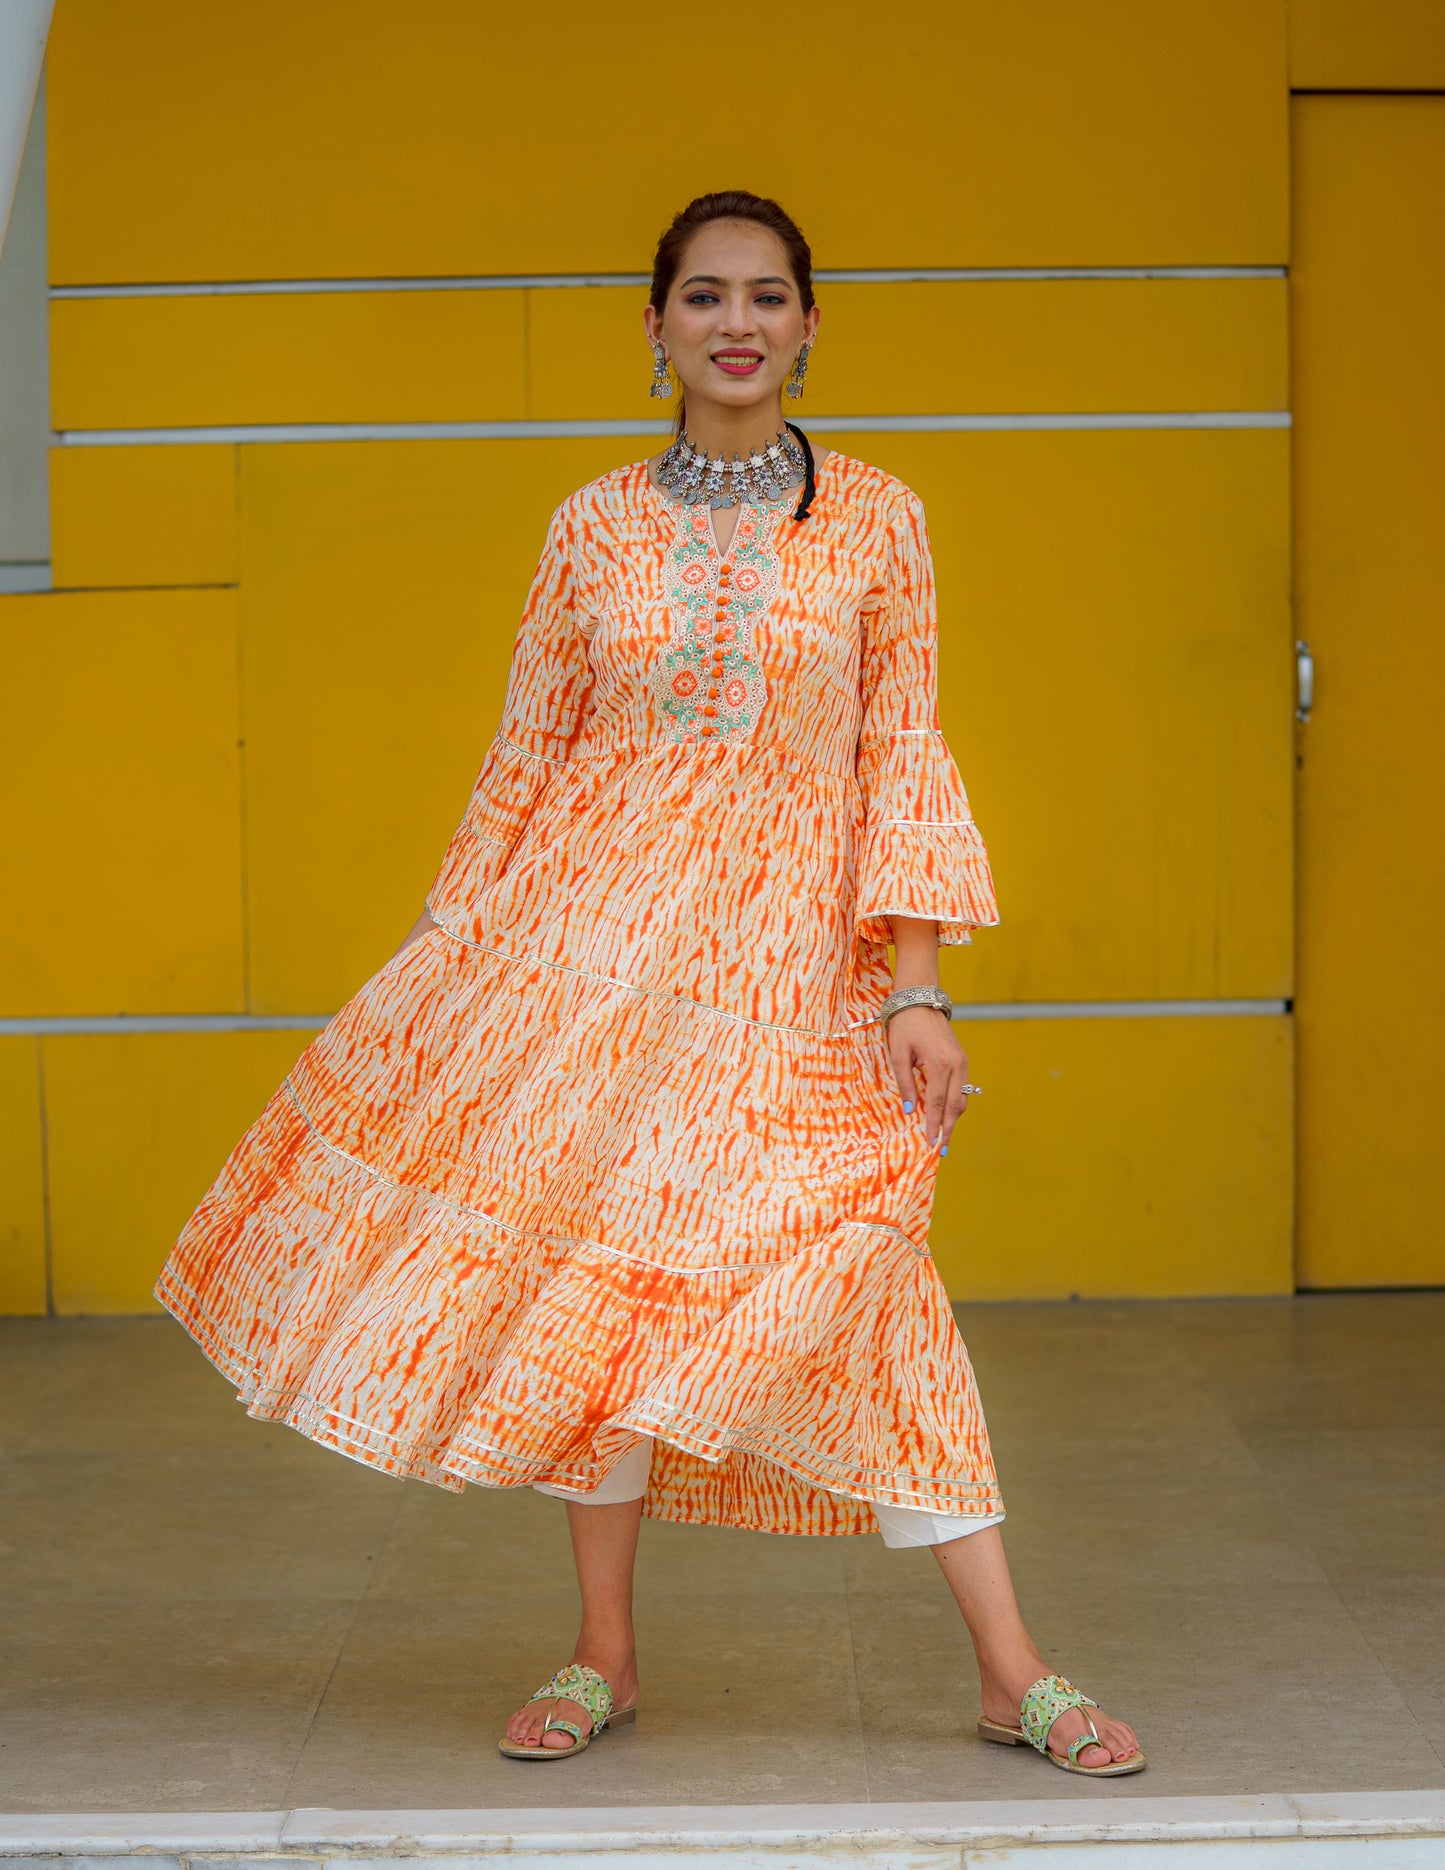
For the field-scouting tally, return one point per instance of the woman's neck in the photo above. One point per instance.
(722, 429)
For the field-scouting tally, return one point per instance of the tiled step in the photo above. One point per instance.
(1111, 1829)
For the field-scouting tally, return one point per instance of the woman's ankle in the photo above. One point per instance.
(1005, 1661)
(615, 1643)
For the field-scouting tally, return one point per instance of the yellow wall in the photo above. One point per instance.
(24, 1282)
(1370, 386)
(119, 729)
(1348, 45)
(267, 140)
(1120, 1158)
(137, 1124)
(246, 720)
(1059, 345)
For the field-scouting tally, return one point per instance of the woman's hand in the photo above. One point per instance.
(931, 1068)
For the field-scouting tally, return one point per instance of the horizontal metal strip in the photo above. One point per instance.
(1367, 90)
(313, 1022)
(502, 282)
(20, 576)
(58, 1025)
(271, 432)
(1119, 1009)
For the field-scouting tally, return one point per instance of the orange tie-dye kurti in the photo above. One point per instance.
(616, 1149)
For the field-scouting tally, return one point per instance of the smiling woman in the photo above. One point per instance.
(616, 1180)
(744, 232)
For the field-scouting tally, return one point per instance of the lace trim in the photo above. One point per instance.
(528, 1233)
(676, 999)
(708, 683)
(374, 1443)
(703, 1429)
(927, 824)
(369, 1444)
(544, 758)
(897, 733)
(289, 1405)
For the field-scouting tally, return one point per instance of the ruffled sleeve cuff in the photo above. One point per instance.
(922, 855)
(503, 799)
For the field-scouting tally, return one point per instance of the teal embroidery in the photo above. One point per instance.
(578, 1682)
(1042, 1705)
(708, 683)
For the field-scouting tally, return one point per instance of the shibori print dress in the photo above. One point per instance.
(616, 1149)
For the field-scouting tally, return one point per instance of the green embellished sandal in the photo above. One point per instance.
(574, 1683)
(1041, 1706)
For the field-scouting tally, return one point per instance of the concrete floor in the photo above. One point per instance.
(1226, 1522)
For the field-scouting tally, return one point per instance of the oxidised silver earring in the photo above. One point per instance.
(661, 381)
(794, 384)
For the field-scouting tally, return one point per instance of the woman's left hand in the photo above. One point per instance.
(931, 1068)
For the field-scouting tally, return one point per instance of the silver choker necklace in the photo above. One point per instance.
(695, 477)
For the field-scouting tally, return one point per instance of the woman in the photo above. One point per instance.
(615, 1181)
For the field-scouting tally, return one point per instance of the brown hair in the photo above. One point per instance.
(729, 204)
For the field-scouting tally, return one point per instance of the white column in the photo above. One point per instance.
(24, 25)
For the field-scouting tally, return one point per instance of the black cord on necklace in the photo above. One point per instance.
(810, 480)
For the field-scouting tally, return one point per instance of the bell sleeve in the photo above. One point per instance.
(548, 685)
(921, 853)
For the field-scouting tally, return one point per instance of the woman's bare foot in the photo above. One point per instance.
(1004, 1684)
(618, 1669)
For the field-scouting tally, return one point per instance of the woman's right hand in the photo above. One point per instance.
(931, 1068)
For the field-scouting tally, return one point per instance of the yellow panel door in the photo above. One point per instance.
(1368, 309)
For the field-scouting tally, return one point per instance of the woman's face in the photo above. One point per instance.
(733, 323)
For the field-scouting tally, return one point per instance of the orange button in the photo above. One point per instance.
(708, 730)
(712, 694)
(708, 710)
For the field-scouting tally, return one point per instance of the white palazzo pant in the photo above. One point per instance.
(900, 1525)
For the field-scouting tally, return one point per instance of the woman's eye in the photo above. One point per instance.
(701, 298)
(771, 298)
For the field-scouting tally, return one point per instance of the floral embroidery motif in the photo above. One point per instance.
(708, 684)
(1042, 1705)
(360, 1247)
(578, 1682)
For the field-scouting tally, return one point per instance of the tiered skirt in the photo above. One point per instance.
(515, 1207)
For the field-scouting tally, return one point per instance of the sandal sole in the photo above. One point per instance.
(618, 1718)
(1014, 1737)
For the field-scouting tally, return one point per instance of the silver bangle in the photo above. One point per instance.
(915, 996)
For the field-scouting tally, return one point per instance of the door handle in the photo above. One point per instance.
(1304, 680)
